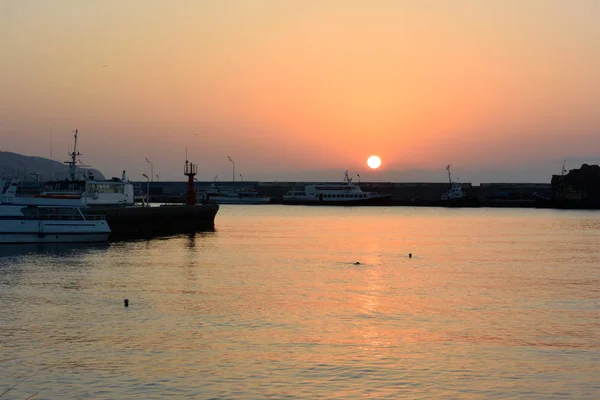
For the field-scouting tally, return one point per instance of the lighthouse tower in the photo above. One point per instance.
(190, 171)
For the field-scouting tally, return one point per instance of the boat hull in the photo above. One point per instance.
(53, 231)
(373, 201)
(12, 238)
(147, 222)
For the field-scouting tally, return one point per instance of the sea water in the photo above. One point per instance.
(294, 302)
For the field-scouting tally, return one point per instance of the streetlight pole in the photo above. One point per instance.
(151, 169)
(233, 174)
(157, 178)
(147, 190)
(242, 177)
(358, 177)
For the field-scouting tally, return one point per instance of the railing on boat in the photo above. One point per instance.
(65, 217)
(53, 213)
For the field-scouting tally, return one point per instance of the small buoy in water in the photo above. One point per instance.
(126, 301)
(357, 263)
(409, 255)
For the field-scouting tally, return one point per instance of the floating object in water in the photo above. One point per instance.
(409, 255)
(126, 301)
(357, 263)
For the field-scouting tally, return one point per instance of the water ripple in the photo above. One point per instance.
(493, 304)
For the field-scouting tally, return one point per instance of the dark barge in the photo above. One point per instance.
(148, 222)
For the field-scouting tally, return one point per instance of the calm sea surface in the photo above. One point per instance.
(494, 304)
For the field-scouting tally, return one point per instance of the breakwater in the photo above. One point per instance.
(403, 193)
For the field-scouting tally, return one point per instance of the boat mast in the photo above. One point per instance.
(347, 178)
(52, 164)
(73, 163)
(449, 175)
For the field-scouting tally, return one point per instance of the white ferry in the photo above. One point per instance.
(52, 222)
(217, 195)
(92, 192)
(347, 193)
(8, 196)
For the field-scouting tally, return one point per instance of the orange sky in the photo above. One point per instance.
(282, 86)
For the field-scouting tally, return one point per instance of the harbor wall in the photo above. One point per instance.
(174, 191)
(428, 191)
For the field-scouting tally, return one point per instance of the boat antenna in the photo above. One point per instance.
(51, 164)
(449, 175)
(346, 177)
(74, 155)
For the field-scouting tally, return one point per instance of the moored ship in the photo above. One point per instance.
(454, 196)
(94, 193)
(217, 195)
(48, 221)
(346, 193)
(83, 187)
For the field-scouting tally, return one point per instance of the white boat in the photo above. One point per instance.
(47, 220)
(218, 195)
(347, 193)
(454, 190)
(92, 192)
(83, 187)
(52, 222)
(9, 197)
(455, 196)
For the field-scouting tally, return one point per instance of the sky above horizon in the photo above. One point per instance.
(302, 90)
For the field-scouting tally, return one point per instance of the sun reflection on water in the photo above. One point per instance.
(273, 304)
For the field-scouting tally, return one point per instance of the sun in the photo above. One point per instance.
(374, 162)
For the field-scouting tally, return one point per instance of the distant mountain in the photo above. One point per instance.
(13, 165)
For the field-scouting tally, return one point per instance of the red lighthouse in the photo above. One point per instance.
(190, 171)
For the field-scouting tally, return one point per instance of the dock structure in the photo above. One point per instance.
(148, 222)
(404, 193)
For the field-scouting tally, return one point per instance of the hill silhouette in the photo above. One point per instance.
(30, 168)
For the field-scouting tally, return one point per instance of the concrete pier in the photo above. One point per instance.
(403, 193)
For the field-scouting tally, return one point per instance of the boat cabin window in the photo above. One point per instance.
(64, 186)
(50, 212)
(105, 188)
